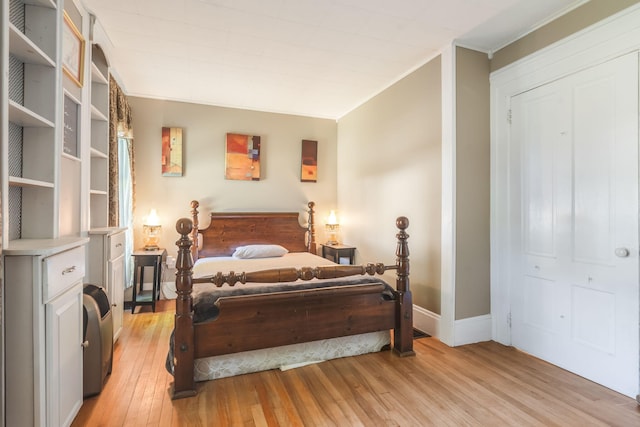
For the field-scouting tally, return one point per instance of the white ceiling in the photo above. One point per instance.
(318, 58)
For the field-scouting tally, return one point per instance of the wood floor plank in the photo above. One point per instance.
(286, 410)
(265, 401)
(473, 385)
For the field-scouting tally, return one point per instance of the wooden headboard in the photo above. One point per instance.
(228, 230)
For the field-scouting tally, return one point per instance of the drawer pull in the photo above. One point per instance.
(118, 245)
(69, 270)
(84, 344)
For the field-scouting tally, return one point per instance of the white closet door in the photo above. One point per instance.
(574, 295)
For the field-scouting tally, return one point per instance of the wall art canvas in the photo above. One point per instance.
(171, 151)
(309, 171)
(242, 157)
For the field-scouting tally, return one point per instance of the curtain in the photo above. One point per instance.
(125, 190)
(119, 126)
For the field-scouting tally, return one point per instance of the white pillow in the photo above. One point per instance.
(259, 251)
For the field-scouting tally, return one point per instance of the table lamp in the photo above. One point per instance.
(332, 227)
(151, 230)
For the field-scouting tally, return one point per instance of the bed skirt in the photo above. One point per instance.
(287, 356)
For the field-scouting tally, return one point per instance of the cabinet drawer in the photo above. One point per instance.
(61, 271)
(116, 245)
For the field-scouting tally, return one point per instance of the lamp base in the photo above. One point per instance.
(332, 234)
(151, 237)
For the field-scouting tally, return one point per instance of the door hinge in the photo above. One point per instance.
(509, 116)
(509, 319)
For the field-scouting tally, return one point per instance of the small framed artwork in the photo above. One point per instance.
(72, 51)
(242, 157)
(71, 135)
(171, 151)
(309, 169)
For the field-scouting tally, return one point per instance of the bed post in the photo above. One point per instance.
(183, 350)
(403, 332)
(311, 227)
(194, 233)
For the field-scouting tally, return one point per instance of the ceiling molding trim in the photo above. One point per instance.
(540, 24)
(231, 106)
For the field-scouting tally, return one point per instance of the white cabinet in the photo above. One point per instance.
(63, 326)
(116, 273)
(105, 267)
(43, 331)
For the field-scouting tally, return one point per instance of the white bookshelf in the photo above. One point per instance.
(99, 147)
(29, 127)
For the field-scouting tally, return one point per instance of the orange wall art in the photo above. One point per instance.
(242, 157)
(171, 151)
(309, 172)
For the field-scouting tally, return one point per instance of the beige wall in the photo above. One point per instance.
(572, 22)
(389, 164)
(204, 130)
(472, 271)
(380, 161)
(472, 290)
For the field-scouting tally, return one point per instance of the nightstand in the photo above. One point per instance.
(143, 258)
(340, 254)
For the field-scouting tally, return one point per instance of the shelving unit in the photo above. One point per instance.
(99, 180)
(29, 164)
(43, 185)
(54, 154)
(106, 260)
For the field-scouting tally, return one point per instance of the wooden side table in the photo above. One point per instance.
(340, 254)
(143, 258)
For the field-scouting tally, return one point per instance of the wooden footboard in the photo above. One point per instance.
(264, 321)
(251, 322)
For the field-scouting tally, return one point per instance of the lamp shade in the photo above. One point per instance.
(152, 218)
(332, 219)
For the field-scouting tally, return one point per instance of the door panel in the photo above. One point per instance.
(538, 186)
(593, 158)
(593, 313)
(575, 298)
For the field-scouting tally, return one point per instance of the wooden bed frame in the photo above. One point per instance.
(254, 322)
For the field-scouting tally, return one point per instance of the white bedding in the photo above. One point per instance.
(209, 266)
(278, 357)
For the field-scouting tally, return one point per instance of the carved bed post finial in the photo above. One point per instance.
(402, 254)
(194, 233)
(403, 333)
(184, 384)
(311, 244)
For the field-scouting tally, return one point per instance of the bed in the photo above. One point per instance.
(271, 307)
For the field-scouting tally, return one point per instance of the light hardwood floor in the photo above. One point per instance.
(484, 384)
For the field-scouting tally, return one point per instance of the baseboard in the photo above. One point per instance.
(466, 331)
(426, 321)
(472, 330)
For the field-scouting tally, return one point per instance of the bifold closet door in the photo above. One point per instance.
(574, 286)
